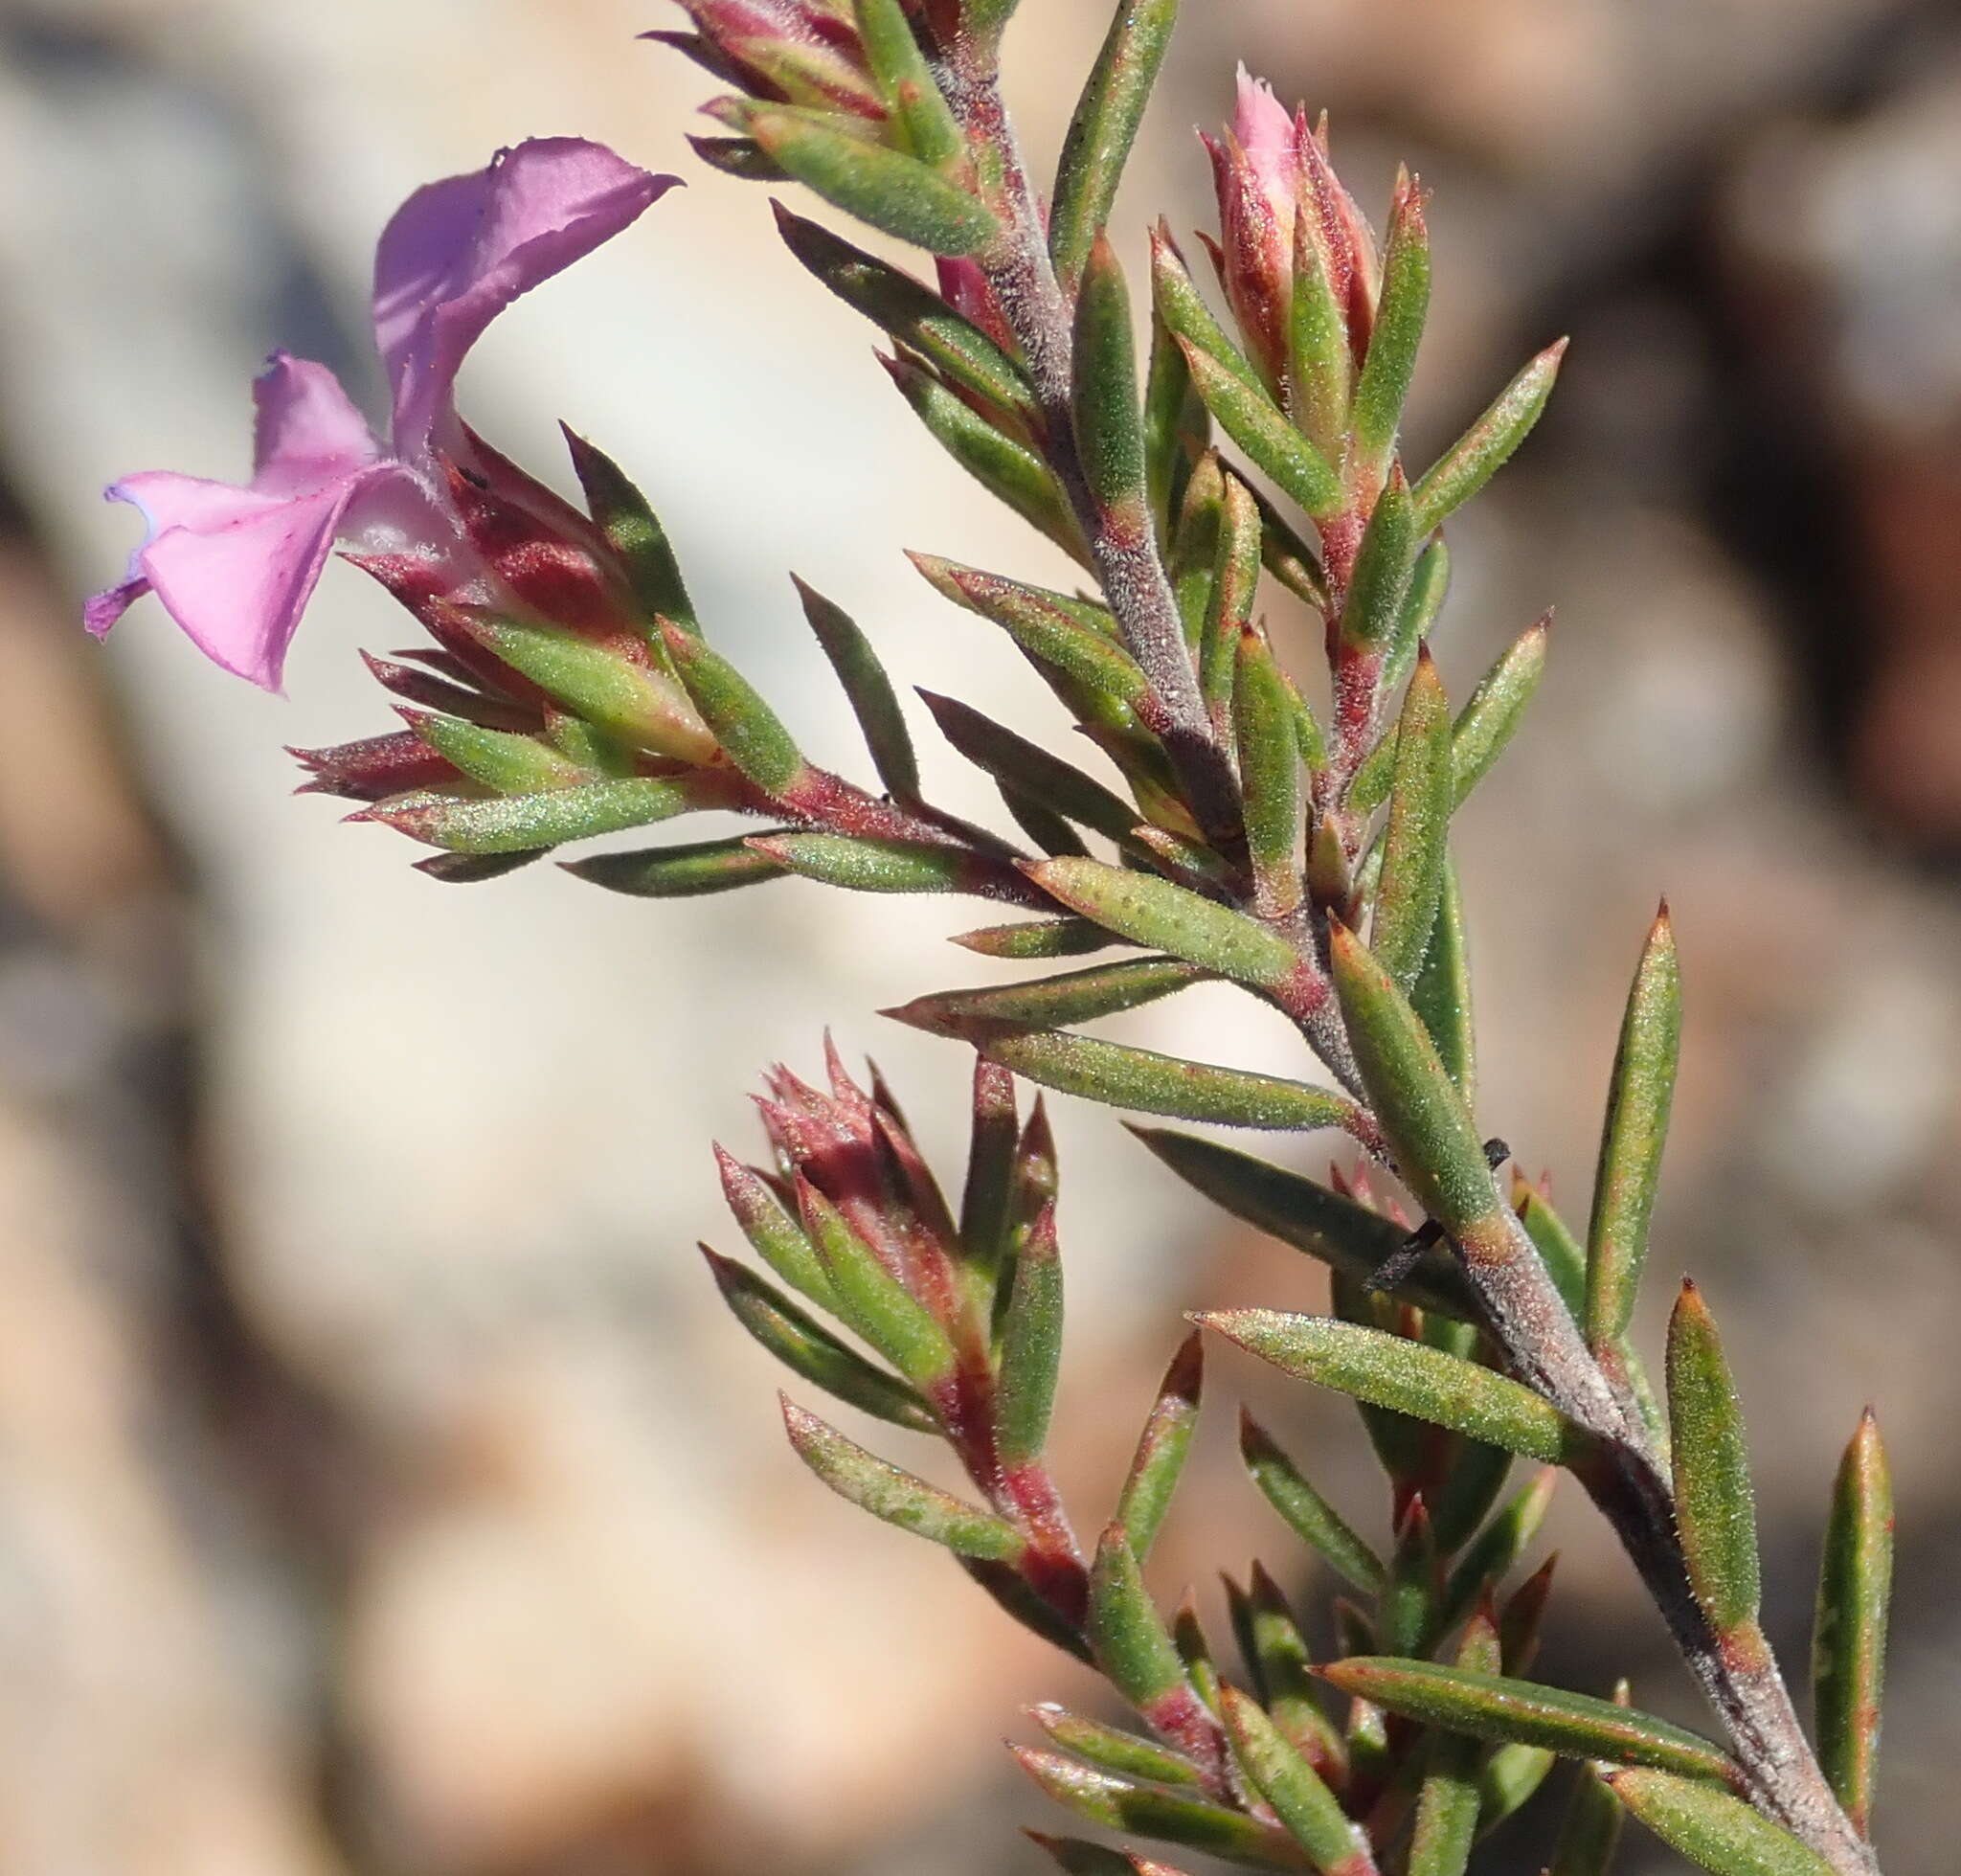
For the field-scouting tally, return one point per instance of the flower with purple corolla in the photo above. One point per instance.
(235, 566)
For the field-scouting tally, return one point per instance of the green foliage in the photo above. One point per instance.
(1232, 834)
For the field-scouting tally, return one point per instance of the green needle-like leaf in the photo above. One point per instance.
(1183, 310)
(886, 188)
(1415, 851)
(1145, 1810)
(1030, 1346)
(635, 534)
(1484, 726)
(1301, 1798)
(1147, 1082)
(1408, 1378)
(1491, 1707)
(1849, 1636)
(897, 1496)
(1720, 1833)
(1229, 601)
(1266, 734)
(1011, 472)
(1037, 938)
(1448, 1806)
(1170, 917)
(1489, 720)
(1438, 1152)
(640, 705)
(686, 872)
(907, 83)
(1103, 128)
(870, 691)
(1251, 417)
(1429, 581)
(1509, 1780)
(750, 734)
(1320, 366)
(1284, 1671)
(1478, 455)
(501, 759)
(1715, 1509)
(1054, 1002)
(1589, 1833)
(1058, 786)
(1407, 1611)
(1177, 427)
(1308, 1514)
(1046, 628)
(1348, 1237)
(1372, 617)
(886, 865)
(1400, 313)
(810, 1351)
(1110, 1749)
(1128, 1637)
(1631, 1143)
(1563, 1254)
(1078, 1856)
(1108, 419)
(1498, 1547)
(872, 1300)
(911, 313)
(1441, 995)
(1159, 1462)
(519, 824)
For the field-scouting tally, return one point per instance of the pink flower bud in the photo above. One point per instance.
(1272, 173)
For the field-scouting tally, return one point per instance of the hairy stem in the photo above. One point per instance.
(1128, 563)
(1629, 1484)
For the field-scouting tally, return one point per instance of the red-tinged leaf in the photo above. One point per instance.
(898, 1498)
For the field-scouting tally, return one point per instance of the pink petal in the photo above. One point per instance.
(307, 430)
(233, 566)
(459, 251)
(1262, 124)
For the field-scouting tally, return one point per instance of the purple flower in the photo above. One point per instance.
(236, 565)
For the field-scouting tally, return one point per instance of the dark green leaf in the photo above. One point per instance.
(1631, 1143)
(873, 702)
(1400, 313)
(897, 1496)
(1387, 1370)
(1298, 1210)
(684, 872)
(1715, 1508)
(1491, 1707)
(1159, 1458)
(810, 1351)
(896, 194)
(1030, 1346)
(1709, 1827)
(1849, 1636)
(1103, 128)
(1415, 849)
(1311, 1517)
(1477, 456)
(635, 534)
(1251, 417)
(1109, 421)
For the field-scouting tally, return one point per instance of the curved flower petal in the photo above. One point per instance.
(235, 567)
(308, 428)
(461, 250)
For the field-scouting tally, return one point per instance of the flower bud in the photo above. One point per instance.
(1272, 172)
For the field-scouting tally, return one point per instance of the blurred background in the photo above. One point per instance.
(382, 1491)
